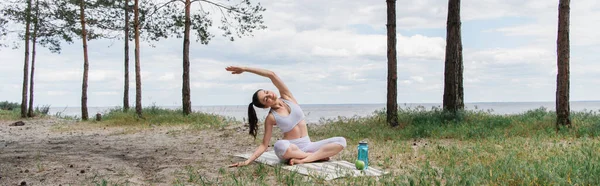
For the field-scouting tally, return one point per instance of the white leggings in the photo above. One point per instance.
(305, 144)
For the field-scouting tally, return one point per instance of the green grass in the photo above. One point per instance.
(431, 147)
(103, 182)
(157, 116)
(12, 111)
(470, 125)
(478, 148)
(434, 148)
(10, 114)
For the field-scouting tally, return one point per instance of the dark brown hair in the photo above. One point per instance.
(252, 119)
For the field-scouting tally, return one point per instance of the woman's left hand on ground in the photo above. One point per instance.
(239, 164)
(235, 70)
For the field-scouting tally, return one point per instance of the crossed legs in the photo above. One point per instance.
(293, 152)
(324, 153)
(307, 151)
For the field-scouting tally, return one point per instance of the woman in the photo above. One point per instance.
(285, 113)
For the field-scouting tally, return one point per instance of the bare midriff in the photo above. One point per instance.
(298, 131)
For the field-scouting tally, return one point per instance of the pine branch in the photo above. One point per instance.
(161, 6)
(222, 6)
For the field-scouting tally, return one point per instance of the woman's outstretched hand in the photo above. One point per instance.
(234, 69)
(238, 164)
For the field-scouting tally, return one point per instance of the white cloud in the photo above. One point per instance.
(167, 77)
(57, 93)
(204, 85)
(320, 51)
(105, 93)
(530, 30)
(335, 52)
(545, 15)
(103, 75)
(512, 56)
(58, 75)
(340, 43)
(417, 79)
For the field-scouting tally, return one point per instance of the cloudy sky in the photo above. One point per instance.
(334, 52)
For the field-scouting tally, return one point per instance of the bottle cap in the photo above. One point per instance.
(363, 142)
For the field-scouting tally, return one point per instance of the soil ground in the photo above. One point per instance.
(52, 151)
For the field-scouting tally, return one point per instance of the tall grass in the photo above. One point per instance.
(467, 125)
(43, 110)
(12, 111)
(10, 114)
(154, 115)
(516, 162)
(431, 147)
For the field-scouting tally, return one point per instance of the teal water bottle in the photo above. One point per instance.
(363, 153)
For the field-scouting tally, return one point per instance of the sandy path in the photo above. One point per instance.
(59, 152)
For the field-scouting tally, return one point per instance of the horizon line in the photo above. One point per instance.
(480, 102)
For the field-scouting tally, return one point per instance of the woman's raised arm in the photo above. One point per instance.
(283, 89)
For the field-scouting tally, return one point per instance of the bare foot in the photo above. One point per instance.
(299, 161)
(295, 161)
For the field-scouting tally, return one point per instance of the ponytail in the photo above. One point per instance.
(252, 119)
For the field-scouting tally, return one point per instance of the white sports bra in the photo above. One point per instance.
(287, 123)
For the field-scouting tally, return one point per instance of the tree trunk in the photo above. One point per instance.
(138, 77)
(34, 39)
(562, 78)
(185, 91)
(126, 81)
(84, 110)
(453, 67)
(26, 63)
(392, 78)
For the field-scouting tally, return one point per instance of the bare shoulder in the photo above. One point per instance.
(270, 120)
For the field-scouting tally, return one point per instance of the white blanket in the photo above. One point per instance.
(327, 170)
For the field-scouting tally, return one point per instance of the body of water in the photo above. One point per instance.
(315, 112)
